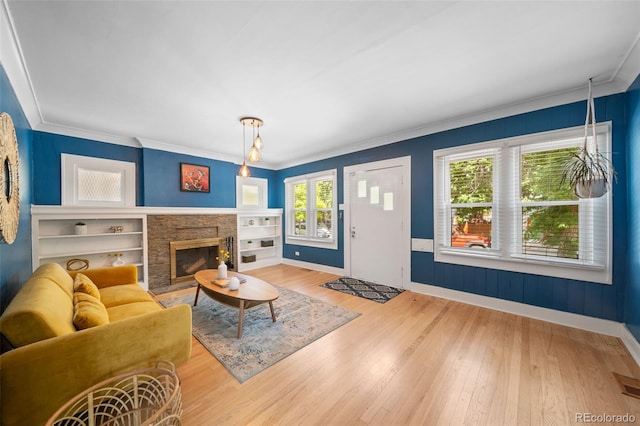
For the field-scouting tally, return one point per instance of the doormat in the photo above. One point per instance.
(300, 320)
(365, 289)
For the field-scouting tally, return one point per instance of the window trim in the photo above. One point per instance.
(70, 164)
(290, 237)
(262, 186)
(502, 258)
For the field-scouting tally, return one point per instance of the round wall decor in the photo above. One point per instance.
(10, 183)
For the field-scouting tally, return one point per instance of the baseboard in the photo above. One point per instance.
(632, 344)
(314, 266)
(583, 322)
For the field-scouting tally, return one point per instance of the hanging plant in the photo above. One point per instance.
(588, 171)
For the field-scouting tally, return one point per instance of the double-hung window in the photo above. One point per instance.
(503, 205)
(311, 202)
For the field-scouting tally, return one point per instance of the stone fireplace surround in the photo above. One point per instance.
(164, 229)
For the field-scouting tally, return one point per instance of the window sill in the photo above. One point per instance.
(574, 270)
(325, 243)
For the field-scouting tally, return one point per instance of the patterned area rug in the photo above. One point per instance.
(376, 292)
(300, 321)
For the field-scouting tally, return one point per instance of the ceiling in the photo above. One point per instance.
(326, 77)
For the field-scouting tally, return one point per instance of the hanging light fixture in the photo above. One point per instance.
(257, 142)
(254, 153)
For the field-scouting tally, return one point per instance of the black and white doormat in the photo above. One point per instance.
(368, 290)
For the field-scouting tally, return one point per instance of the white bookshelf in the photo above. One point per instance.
(54, 239)
(257, 227)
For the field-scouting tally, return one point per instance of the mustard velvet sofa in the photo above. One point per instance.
(52, 361)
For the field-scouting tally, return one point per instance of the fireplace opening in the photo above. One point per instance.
(191, 256)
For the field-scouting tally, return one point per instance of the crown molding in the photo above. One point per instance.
(12, 60)
(164, 146)
(627, 71)
(548, 101)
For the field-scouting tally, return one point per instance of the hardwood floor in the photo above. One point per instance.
(416, 360)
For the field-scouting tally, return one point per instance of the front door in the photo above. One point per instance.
(376, 225)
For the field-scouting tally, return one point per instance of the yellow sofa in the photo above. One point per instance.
(52, 361)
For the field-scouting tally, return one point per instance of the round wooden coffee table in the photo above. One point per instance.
(251, 293)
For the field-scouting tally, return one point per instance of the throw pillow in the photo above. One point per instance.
(88, 311)
(83, 284)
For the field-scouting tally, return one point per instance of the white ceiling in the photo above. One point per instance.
(326, 77)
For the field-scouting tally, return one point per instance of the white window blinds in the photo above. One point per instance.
(503, 205)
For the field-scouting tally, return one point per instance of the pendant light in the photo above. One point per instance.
(244, 170)
(257, 142)
(254, 153)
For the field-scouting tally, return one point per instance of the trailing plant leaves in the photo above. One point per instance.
(584, 166)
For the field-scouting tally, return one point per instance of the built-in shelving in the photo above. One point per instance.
(256, 230)
(54, 238)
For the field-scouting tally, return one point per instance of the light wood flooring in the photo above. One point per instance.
(416, 360)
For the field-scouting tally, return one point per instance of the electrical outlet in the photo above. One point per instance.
(297, 253)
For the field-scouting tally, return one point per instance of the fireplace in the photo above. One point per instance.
(191, 256)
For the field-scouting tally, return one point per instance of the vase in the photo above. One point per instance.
(222, 271)
(81, 229)
(117, 262)
(234, 283)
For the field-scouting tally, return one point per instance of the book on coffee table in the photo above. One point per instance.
(222, 282)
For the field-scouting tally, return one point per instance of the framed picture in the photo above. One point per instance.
(194, 178)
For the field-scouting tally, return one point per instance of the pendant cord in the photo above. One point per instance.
(590, 119)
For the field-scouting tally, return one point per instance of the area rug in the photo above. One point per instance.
(376, 292)
(172, 287)
(300, 321)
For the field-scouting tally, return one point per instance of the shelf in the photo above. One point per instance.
(260, 231)
(53, 237)
(259, 237)
(88, 252)
(243, 250)
(105, 234)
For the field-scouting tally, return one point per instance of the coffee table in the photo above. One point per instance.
(251, 293)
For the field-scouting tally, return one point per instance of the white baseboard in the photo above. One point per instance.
(631, 343)
(583, 322)
(314, 266)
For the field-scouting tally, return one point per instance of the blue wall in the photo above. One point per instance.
(632, 296)
(47, 150)
(597, 300)
(15, 259)
(158, 186)
(161, 178)
(158, 172)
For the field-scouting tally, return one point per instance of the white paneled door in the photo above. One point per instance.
(376, 225)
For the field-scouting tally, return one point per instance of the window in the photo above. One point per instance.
(91, 181)
(311, 202)
(502, 205)
(251, 193)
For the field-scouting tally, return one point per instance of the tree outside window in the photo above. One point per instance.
(311, 204)
(502, 204)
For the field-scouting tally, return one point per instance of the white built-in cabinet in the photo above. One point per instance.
(259, 239)
(109, 236)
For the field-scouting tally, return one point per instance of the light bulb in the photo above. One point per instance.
(258, 142)
(254, 155)
(244, 170)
